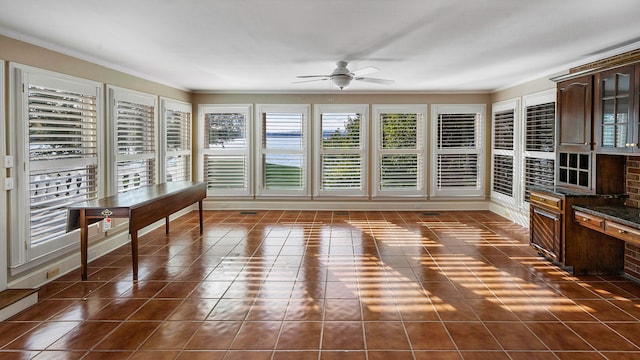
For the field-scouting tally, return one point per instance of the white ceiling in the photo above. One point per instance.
(262, 45)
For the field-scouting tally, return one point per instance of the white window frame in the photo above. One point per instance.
(303, 109)
(21, 250)
(184, 107)
(3, 194)
(513, 105)
(538, 98)
(420, 150)
(115, 94)
(479, 190)
(363, 151)
(246, 109)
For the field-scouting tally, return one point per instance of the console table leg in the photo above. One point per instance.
(166, 225)
(200, 213)
(84, 243)
(134, 253)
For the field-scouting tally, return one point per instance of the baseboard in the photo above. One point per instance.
(15, 301)
(66, 264)
(517, 215)
(349, 204)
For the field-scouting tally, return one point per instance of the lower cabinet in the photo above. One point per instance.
(567, 243)
(546, 225)
(610, 227)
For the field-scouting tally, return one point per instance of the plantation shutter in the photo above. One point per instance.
(503, 130)
(457, 171)
(538, 173)
(540, 127)
(341, 172)
(457, 131)
(226, 153)
(282, 149)
(341, 158)
(63, 154)
(503, 149)
(539, 146)
(457, 155)
(457, 142)
(178, 142)
(503, 174)
(399, 171)
(400, 164)
(135, 142)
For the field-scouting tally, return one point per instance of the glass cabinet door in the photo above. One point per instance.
(614, 109)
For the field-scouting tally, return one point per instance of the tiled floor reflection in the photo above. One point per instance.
(330, 285)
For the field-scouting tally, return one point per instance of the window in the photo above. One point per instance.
(458, 156)
(539, 141)
(341, 150)
(57, 122)
(399, 150)
(176, 118)
(226, 149)
(133, 119)
(504, 162)
(3, 194)
(283, 150)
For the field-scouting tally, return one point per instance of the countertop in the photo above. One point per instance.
(564, 192)
(621, 214)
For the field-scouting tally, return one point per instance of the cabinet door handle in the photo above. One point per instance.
(621, 232)
(585, 219)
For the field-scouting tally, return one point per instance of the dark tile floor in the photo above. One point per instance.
(330, 285)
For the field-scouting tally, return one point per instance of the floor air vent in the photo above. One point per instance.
(248, 212)
(430, 213)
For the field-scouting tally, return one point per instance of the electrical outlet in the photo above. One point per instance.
(53, 273)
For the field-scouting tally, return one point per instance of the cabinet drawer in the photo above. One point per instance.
(546, 200)
(622, 232)
(590, 221)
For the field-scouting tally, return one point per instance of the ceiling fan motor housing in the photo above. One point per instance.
(341, 76)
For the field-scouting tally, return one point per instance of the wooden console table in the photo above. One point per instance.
(142, 206)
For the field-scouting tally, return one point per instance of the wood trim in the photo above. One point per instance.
(617, 60)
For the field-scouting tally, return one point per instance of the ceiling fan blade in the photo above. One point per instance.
(304, 81)
(312, 76)
(365, 71)
(374, 80)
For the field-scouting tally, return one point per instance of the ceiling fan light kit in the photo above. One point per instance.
(341, 77)
(341, 81)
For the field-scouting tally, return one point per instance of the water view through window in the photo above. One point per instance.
(283, 146)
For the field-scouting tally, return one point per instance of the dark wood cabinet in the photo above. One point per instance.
(585, 124)
(598, 125)
(616, 125)
(546, 224)
(574, 104)
(557, 233)
(636, 103)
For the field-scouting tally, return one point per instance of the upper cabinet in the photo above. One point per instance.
(616, 127)
(574, 113)
(597, 123)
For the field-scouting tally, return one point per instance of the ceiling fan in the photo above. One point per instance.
(341, 76)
